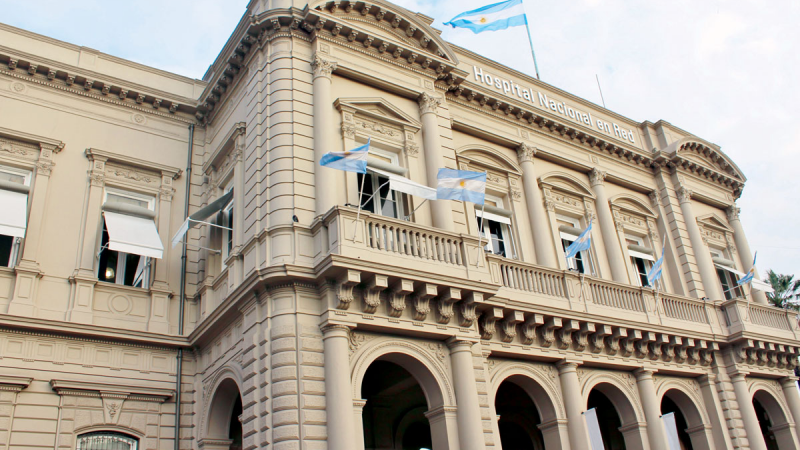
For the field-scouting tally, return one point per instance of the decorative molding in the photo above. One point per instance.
(104, 390)
(322, 67)
(526, 152)
(372, 293)
(445, 303)
(597, 177)
(428, 104)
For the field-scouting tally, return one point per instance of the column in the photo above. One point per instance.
(542, 236)
(573, 404)
(613, 250)
(789, 385)
(470, 426)
(710, 281)
(719, 427)
(238, 214)
(158, 322)
(745, 402)
(441, 212)
(656, 433)
(324, 178)
(743, 248)
(338, 391)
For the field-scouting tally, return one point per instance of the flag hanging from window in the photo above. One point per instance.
(497, 16)
(354, 160)
(584, 242)
(461, 185)
(752, 273)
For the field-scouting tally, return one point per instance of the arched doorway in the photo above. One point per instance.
(621, 424)
(689, 421)
(394, 412)
(223, 423)
(518, 418)
(669, 406)
(608, 419)
(772, 419)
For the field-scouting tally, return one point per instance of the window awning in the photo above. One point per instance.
(569, 233)
(403, 184)
(201, 215)
(494, 213)
(133, 234)
(638, 251)
(375, 163)
(13, 210)
(755, 284)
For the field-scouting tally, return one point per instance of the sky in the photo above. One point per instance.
(722, 70)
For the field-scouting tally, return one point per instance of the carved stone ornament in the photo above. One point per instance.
(445, 305)
(529, 328)
(421, 301)
(732, 213)
(597, 177)
(488, 322)
(684, 194)
(344, 288)
(468, 312)
(397, 297)
(322, 67)
(372, 293)
(509, 325)
(526, 152)
(411, 149)
(549, 331)
(428, 104)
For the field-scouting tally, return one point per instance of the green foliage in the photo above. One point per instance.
(787, 290)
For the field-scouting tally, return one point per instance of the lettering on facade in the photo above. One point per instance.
(542, 101)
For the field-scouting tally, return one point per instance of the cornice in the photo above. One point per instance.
(56, 145)
(53, 75)
(173, 172)
(12, 383)
(95, 389)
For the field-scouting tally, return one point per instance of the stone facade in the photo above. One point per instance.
(297, 322)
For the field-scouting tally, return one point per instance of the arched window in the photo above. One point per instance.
(107, 440)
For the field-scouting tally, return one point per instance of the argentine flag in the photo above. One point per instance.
(498, 16)
(655, 272)
(584, 242)
(750, 275)
(461, 185)
(354, 160)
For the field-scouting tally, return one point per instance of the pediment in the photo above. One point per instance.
(714, 221)
(487, 157)
(631, 204)
(566, 183)
(379, 109)
(383, 21)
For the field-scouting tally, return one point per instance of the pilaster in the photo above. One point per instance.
(619, 271)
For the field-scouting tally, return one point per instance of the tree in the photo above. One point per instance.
(787, 290)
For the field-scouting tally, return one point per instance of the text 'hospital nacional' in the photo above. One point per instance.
(510, 88)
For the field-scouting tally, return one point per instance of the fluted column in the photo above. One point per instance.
(710, 281)
(441, 212)
(656, 433)
(470, 426)
(789, 385)
(338, 392)
(542, 237)
(745, 402)
(619, 272)
(325, 179)
(573, 404)
(743, 247)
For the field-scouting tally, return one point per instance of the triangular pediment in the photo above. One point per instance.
(715, 222)
(378, 109)
(632, 205)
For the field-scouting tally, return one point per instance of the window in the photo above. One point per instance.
(14, 189)
(130, 239)
(641, 258)
(569, 230)
(494, 225)
(376, 197)
(227, 232)
(727, 278)
(107, 440)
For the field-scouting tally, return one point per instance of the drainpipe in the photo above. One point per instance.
(182, 299)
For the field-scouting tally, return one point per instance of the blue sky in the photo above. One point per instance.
(723, 70)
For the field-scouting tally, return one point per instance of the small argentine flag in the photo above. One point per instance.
(354, 160)
(750, 275)
(655, 272)
(584, 242)
(461, 185)
(498, 16)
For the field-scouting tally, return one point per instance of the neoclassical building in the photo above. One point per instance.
(177, 271)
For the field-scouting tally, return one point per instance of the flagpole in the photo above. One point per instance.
(480, 234)
(358, 214)
(530, 41)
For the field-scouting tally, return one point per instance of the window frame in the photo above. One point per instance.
(227, 219)
(646, 264)
(585, 256)
(506, 232)
(121, 268)
(726, 278)
(399, 198)
(81, 443)
(16, 242)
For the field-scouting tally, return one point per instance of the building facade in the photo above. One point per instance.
(279, 316)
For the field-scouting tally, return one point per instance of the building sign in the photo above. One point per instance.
(541, 100)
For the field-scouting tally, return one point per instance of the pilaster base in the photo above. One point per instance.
(25, 285)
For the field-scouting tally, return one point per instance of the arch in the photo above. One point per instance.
(781, 424)
(694, 144)
(621, 391)
(225, 391)
(138, 434)
(430, 374)
(690, 405)
(488, 156)
(633, 204)
(566, 182)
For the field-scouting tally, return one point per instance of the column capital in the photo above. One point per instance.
(335, 329)
(644, 373)
(322, 67)
(597, 177)
(567, 365)
(655, 200)
(732, 212)
(684, 194)
(526, 152)
(428, 103)
(459, 344)
(707, 379)
(739, 376)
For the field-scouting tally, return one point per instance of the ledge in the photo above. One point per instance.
(92, 389)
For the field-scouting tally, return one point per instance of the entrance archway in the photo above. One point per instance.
(772, 418)
(690, 422)
(518, 418)
(223, 424)
(394, 412)
(620, 425)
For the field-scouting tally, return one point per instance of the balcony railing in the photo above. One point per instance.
(408, 239)
(532, 278)
(681, 308)
(768, 316)
(617, 296)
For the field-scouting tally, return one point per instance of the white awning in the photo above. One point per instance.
(755, 284)
(641, 255)
(201, 215)
(133, 234)
(13, 213)
(403, 184)
(494, 214)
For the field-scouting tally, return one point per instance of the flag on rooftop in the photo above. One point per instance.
(497, 16)
(461, 185)
(354, 160)
(584, 242)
